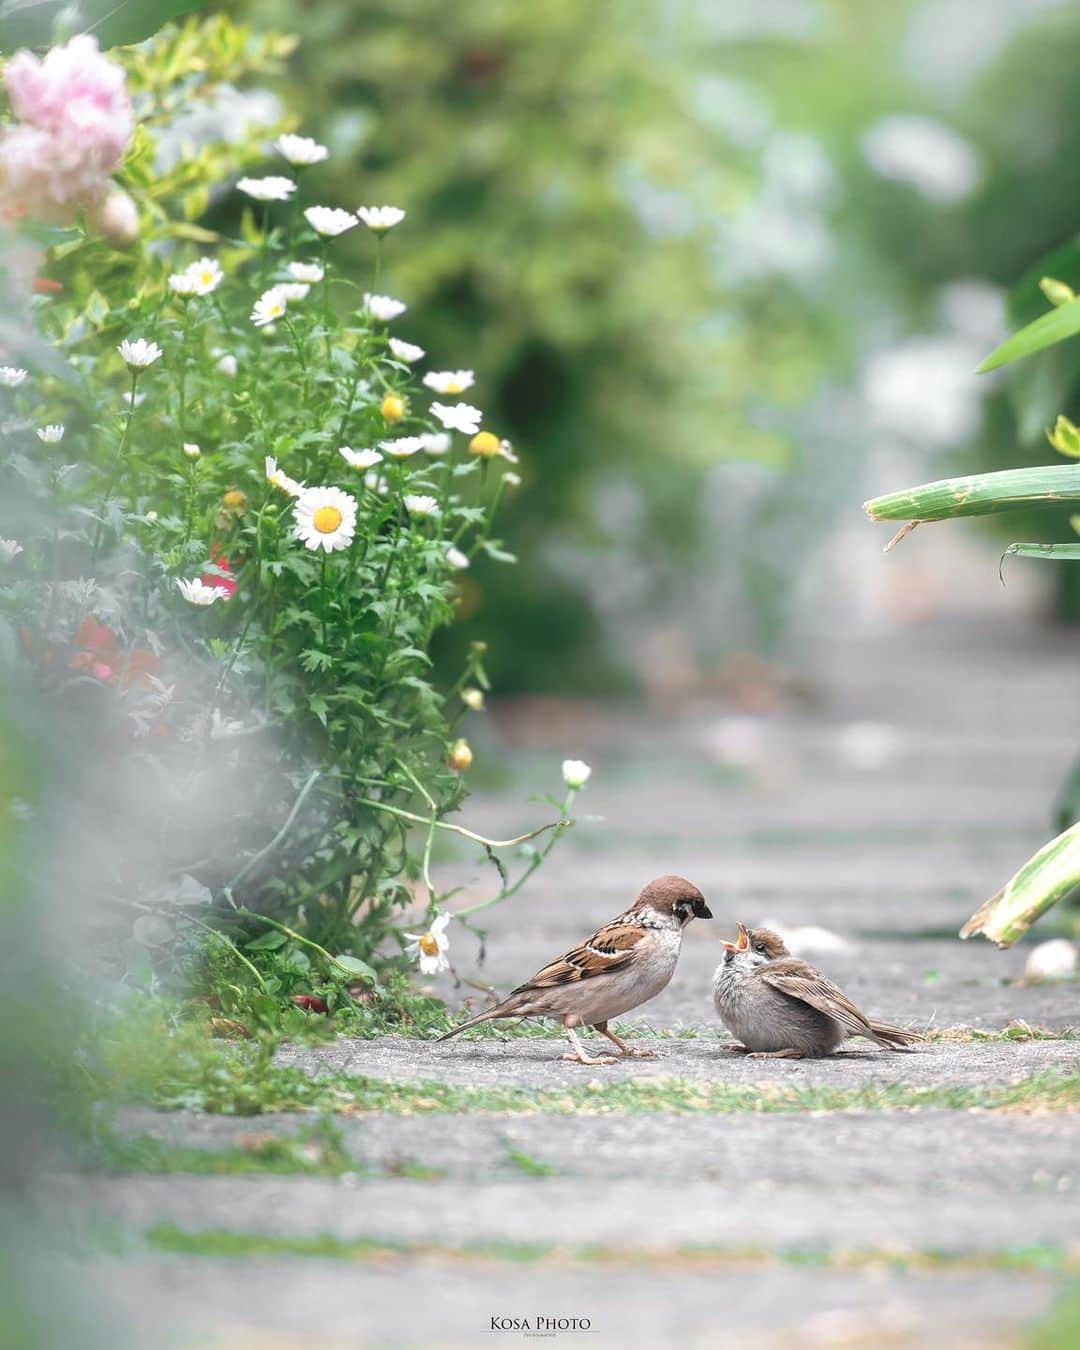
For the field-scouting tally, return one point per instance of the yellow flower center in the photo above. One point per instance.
(235, 500)
(453, 387)
(484, 443)
(429, 945)
(393, 407)
(326, 519)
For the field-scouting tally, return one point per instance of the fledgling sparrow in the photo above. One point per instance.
(784, 1008)
(622, 965)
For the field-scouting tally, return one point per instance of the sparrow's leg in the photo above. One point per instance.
(628, 1050)
(775, 1054)
(581, 1057)
(736, 1047)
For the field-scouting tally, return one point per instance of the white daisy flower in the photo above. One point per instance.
(383, 307)
(10, 549)
(456, 558)
(459, 417)
(325, 518)
(512, 479)
(207, 275)
(449, 381)
(270, 189)
(430, 948)
(576, 773)
(380, 218)
(228, 365)
(197, 592)
(360, 459)
(292, 290)
(406, 351)
(138, 353)
(309, 273)
(403, 446)
(183, 283)
(280, 479)
(422, 506)
(11, 376)
(300, 150)
(270, 305)
(329, 220)
(51, 434)
(191, 450)
(375, 482)
(436, 442)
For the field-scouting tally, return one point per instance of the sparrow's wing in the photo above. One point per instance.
(800, 980)
(610, 948)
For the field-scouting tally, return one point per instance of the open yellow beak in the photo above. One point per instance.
(742, 943)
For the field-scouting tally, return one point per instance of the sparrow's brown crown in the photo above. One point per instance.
(761, 940)
(671, 895)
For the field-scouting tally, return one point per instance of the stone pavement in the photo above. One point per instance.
(885, 807)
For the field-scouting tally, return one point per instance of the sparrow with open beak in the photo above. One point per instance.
(781, 1007)
(622, 965)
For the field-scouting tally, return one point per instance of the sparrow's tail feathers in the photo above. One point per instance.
(500, 1010)
(893, 1037)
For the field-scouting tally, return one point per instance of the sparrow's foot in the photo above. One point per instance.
(632, 1053)
(589, 1059)
(736, 1047)
(774, 1054)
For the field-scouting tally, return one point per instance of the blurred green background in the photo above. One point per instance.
(705, 256)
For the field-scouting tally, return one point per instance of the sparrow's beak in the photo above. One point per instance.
(702, 910)
(742, 944)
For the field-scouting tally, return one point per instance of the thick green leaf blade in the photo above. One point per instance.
(115, 23)
(979, 494)
(1051, 875)
(1054, 326)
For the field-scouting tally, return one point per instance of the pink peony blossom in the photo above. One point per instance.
(75, 124)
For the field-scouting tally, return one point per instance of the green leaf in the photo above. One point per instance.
(355, 966)
(269, 942)
(1065, 552)
(1051, 875)
(1045, 331)
(979, 494)
(115, 23)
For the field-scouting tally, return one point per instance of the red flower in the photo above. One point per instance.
(311, 1003)
(100, 653)
(226, 579)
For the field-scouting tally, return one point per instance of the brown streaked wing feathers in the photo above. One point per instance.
(800, 980)
(610, 948)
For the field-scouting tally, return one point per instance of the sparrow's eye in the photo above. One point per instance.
(759, 948)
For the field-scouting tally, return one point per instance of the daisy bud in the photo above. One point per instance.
(1057, 292)
(235, 501)
(191, 450)
(473, 698)
(460, 757)
(486, 444)
(118, 219)
(393, 407)
(576, 773)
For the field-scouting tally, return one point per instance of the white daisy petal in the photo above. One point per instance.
(325, 518)
(449, 381)
(403, 446)
(380, 218)
(405, 351)
(383, 307)
(270, 189)
(280, 479)
(270, 306)
(138, 353)
(461, 417)
(197, 592)
(309, 273)
(421, 505)
(51, 434)
(300, 150)
(360, 459)
(11, 376)
(329, 221)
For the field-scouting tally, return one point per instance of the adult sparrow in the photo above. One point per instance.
(623, 964)
(784, 1008)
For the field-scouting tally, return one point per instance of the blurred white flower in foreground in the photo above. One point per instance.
(191, 450)
(51, 434)
(293, 290)
(430, 948)
(228, 365)
(458, 560)
(11, 377)
(421, 505)
(924, 153)
(461, 417)
(406, 351)
(138, 353)
(380, 218)
(1053, 960)
(309, 273)
(300, 150)
(360, 459)
(449, 381)
(270, 305)
(926, 389)
(10, 549)
(383, 307)
(270, 189)
(197, 592)
(435, 442)
(200, 278)
(329, 220)
(325, 518)
(576, 773)
(808, 939)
